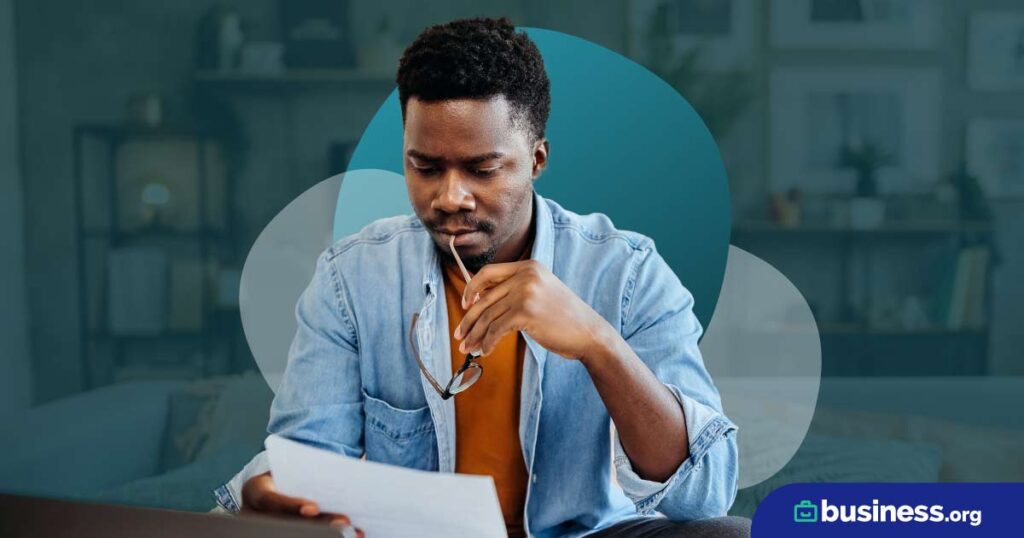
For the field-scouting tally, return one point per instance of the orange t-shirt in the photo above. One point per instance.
(487, 413)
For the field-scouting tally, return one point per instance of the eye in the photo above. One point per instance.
(485, 172)
(426, 170)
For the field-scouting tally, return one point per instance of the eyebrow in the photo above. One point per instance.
(476, 159)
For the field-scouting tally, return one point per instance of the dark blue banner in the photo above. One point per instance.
(886, 509)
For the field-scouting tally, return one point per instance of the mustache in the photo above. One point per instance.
(465, 222)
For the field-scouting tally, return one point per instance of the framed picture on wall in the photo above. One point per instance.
(820, 115)
(856, 24)
(995, 155)
(722, 31)
(995, 56)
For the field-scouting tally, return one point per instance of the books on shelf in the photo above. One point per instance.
(961, 294)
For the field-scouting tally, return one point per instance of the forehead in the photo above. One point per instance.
(464, 127)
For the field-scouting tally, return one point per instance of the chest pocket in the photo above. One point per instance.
(396, 436)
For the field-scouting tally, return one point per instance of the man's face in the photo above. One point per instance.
(469, 170)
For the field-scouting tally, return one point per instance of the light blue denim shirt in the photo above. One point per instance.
(352, 385)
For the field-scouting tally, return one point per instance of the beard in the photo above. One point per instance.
(473, 263)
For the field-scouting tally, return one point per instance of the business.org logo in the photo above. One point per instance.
(807, 511)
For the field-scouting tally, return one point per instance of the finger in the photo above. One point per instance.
(492, 296)
(274, 502)
(490, 275)
(497, 329)
(479, 329)
(336, 521)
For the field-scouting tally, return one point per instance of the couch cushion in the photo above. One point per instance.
(189, 487)
(211, 415)
(95, 439)
(970, 453)
(831, 459)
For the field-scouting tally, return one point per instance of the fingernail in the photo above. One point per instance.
(463, 302)
(458, 332)
(476, 298)
(462, 347)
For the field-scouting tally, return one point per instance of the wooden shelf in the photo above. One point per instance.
(852, 329)
(888, 229)
(167, 233)
(177, 335)
(293, 79)
(827, 329)
(129, 131)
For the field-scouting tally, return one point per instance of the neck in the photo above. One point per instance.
(515, 248)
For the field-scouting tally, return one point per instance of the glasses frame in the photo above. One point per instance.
(467, 365)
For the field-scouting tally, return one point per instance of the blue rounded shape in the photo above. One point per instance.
(623, 143)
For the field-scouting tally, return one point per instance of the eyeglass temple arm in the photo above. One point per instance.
(415, 352)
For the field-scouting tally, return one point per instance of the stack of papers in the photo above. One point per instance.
(383, 500)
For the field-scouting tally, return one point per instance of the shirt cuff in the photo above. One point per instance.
(229, 496)
(705, 426)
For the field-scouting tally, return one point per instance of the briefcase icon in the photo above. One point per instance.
(805, 512)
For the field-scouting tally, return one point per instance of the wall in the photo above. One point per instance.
(80, 62)
(14, 365)
(958, 104)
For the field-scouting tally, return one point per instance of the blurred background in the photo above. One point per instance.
(875, 151)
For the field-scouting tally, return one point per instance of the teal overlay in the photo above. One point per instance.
(805, 512)
(623, 143)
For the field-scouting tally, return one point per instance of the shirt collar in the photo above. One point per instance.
(544, 232)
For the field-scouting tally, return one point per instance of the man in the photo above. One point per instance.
(577, 326)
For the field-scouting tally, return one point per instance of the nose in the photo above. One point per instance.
(453, 194)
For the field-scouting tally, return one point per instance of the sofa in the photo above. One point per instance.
(169, 443)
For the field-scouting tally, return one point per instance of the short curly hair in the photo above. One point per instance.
(477, 59)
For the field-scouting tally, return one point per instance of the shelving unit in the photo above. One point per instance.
(209, 242)
(855, 347)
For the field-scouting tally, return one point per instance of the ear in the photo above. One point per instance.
(540, 157)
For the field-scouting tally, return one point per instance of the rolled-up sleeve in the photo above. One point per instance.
(319, 401)
(661, 328)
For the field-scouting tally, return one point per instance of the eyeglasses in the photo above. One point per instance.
(470, 371)
(464, 377)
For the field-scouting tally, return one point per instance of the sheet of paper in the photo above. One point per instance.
(384, 500)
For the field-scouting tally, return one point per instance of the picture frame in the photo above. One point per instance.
(723, 30)
(995, 51)
(856, 24)
(815, 113)
(995, 155)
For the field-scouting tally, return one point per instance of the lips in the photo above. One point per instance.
(458, 232)
(463, 236)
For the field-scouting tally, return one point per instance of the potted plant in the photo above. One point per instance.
(867, 210)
